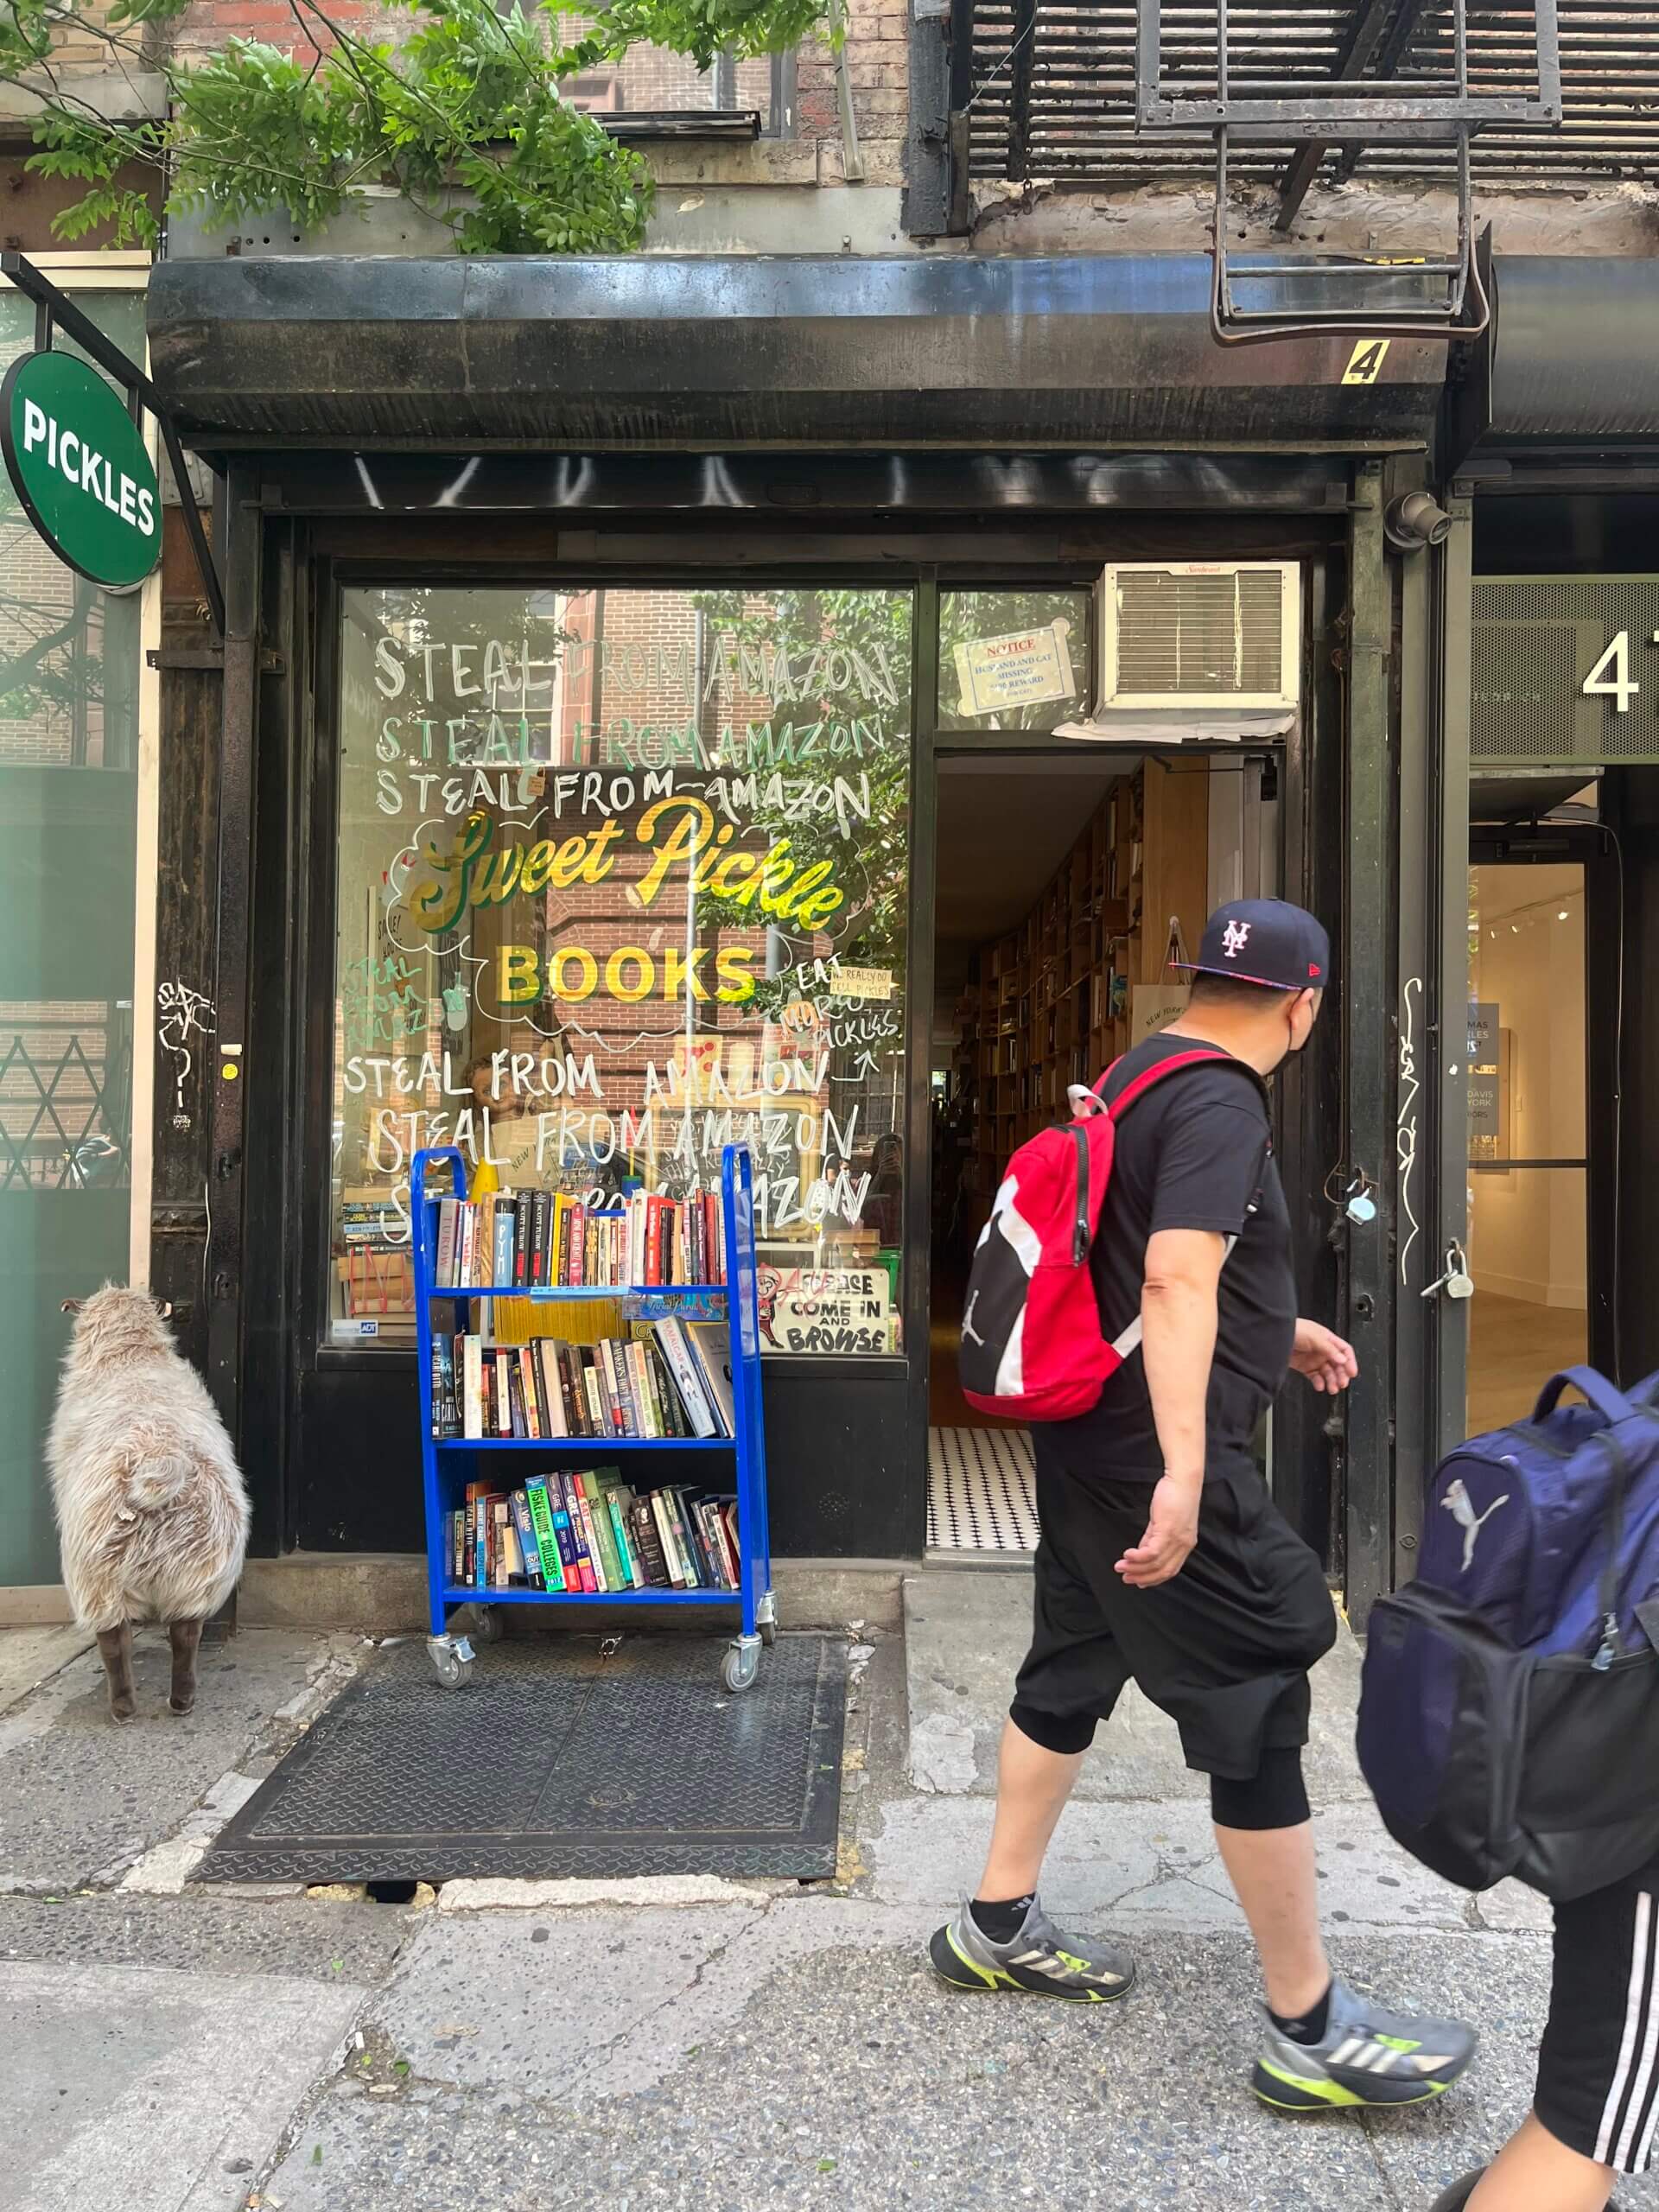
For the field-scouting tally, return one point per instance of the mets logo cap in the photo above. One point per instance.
(1265, 941)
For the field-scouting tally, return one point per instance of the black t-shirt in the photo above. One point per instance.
(1194, 1153)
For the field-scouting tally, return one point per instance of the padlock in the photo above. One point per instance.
(1454, 1279)
(1361, 1207)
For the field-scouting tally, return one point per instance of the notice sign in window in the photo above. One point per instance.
(1019, 669)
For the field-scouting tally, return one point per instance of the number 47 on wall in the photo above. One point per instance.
(1611, 677)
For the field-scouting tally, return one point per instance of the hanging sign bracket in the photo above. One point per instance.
(80, 477)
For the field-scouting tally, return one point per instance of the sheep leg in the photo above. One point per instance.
(184, 1637)
(115, 1648)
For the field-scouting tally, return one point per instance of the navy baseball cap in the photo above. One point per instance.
(1264, 941)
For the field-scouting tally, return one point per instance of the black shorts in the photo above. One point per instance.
(1223, 1648)
(1598, 2064)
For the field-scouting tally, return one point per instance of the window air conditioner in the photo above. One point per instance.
(1200, 634)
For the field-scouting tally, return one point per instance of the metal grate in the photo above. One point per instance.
(1537, 640)
(66, 1100)
(560, 1757)
(1057, 103)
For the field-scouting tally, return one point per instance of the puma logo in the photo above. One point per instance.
(1458, 1503)
(969, 1333)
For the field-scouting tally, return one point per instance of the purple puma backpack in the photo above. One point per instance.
(1509, 1717)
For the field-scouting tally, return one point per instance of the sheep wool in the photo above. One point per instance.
(151, 1510)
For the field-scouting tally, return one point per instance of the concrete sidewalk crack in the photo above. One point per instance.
(1395, 2200)
(751, 1919)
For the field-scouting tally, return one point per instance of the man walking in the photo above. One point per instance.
(1163, 1559)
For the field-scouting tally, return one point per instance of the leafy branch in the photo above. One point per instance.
(465, 115)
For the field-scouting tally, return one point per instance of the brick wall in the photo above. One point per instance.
(878, 55)
(647, 671)
(649, 77)
(273, 22)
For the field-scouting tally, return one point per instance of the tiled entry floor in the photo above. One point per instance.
(980, 1491)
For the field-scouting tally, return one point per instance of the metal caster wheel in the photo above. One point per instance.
(452, 1660)
(740, 1664)
(766, 1620)
(488, 1626)
(768, 1633)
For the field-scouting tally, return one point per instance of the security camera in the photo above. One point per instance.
(1415, 521)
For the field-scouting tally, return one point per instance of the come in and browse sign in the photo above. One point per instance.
(78, 462)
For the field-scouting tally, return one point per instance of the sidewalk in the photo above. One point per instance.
(694, 2043)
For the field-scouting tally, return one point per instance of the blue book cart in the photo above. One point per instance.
(449, 1464)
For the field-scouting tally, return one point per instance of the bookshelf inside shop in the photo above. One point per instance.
(590, 1406)
(1052, 1002)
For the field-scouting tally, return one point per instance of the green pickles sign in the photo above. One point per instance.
(77, 461)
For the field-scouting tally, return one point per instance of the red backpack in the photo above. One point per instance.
(1031, 1343)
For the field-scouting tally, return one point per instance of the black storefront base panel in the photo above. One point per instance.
(838, 1465)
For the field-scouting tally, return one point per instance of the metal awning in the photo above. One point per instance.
(650, 353)
(1537, 388)
(1053, 88)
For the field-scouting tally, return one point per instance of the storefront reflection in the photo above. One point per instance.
(621, 877)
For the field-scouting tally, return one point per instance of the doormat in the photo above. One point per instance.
(557, 1757)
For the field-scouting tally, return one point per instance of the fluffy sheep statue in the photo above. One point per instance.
(152, 1514)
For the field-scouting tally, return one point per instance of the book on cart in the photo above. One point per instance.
(711, 1347)
(532, 1239)
(658, 1388)
(691, 1381)
(586, 1529)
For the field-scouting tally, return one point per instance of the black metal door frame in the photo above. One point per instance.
(1428, 1087)
(1589, 845)
(1309, 1458)
(232, 921)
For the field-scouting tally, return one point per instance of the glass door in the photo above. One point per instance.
(1528, 1166)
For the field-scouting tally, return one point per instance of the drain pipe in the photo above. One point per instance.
(851, 157)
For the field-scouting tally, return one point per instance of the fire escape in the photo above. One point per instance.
(1271, 101)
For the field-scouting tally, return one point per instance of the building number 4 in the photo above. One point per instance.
(1611, 677)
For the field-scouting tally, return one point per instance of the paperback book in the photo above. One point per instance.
(586, 1530)
(545, 1240)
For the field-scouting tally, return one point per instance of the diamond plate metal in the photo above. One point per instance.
(551, 1760)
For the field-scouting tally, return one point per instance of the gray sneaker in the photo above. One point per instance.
(1040, 1960)
(1366, 2056)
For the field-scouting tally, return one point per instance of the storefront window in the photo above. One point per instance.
(622, 879)
(69, 661)
(1014, 660)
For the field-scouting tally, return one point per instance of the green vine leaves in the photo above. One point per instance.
(464, 114)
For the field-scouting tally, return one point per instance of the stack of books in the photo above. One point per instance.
(670, 1379)
(586, 1530)
(542, 1239)
(367, 1217)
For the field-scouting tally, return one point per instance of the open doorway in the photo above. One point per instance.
(1068, 887)
(1542, 1078)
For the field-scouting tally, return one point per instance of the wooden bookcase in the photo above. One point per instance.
(1049, 1004)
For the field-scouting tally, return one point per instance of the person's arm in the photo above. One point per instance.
(1177, 1321)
